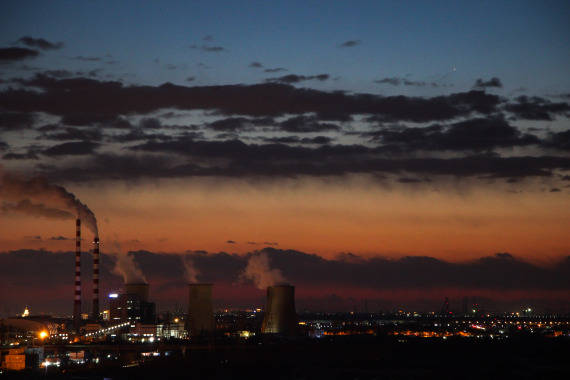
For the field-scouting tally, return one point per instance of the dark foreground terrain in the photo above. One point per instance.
(344, 358)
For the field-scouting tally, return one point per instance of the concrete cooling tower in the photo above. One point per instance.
(200, 312)
(280, 316)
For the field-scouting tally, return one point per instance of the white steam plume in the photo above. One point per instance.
(259, 271)
(126, 267)
(46, 196)
(190, 271)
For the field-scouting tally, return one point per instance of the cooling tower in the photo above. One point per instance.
(96, 278)
(139, 289)
(77, 298)
(280, 316)
(200, 313)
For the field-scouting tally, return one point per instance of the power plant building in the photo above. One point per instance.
(280, 315)
(200, 311)
(132, 305)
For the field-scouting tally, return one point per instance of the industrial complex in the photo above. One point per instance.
(129, 332)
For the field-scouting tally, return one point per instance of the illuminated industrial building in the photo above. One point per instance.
(132, 305)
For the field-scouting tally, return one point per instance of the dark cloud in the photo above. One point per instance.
(139, 134)
(333, 115)
(293, 78)
(319, 140)
(72, 149)
(496, 273)
(91, 119)
(190, 79)
(493, 82)
(87, 59)
(233, 124)
(31, 154)
(70, 133)
(394, 81)
(107, 100)
(350, 43)
(60, 238)
(275, 70)
(40, 43)
(256, 65)
(233, 158)
(473, 134)
(229, 124)
(555, 190)
(537, 108)
(208, 48)
(412, 180)
(208, 38)
(13, 54)
(558, 140)
(306, 124)
(59, 73)
(151, 128)
(10, 121)
(230, 242)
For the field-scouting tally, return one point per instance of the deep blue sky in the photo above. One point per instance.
(525, 43)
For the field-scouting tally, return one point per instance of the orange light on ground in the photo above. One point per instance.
(43, 334)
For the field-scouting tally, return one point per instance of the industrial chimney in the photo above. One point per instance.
(77, 299)
(96, 278)
(200, 313)
(280, 316)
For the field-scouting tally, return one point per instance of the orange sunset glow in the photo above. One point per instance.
(318, 216)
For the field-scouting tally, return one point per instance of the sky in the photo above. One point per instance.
(410, 137)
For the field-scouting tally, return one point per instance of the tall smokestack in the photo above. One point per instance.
(96, 278)
(77, 299)
(280, 316)
(200, 313)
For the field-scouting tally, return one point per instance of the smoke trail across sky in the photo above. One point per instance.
(37, 210)
(38, 197)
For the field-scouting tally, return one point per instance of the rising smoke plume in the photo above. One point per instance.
(17, 195)
(38, 210)
(259, 271)
(126, 267)
(190, 271)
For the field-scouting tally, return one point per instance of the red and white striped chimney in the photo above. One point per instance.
(96, 278)
(77, 299)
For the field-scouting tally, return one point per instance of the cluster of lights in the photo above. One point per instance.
(108, 329)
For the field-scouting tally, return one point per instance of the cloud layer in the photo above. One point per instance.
(348, 274)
